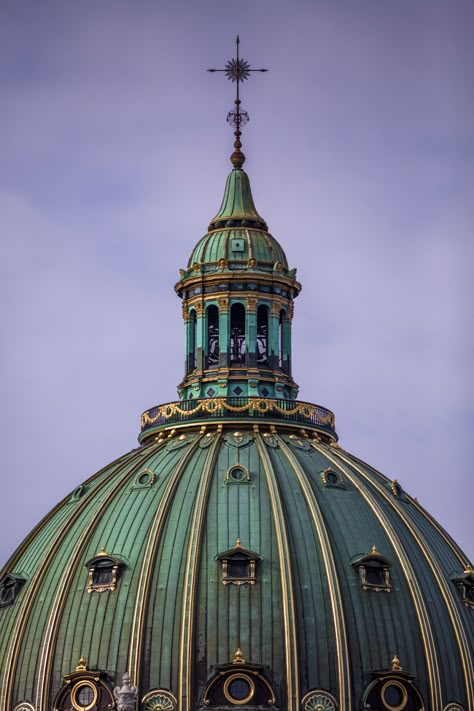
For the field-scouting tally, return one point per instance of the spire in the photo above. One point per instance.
(237, 70)
(238, 208)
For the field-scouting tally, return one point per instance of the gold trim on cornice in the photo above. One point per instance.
(337, 607)
(288, 604)
(312, 430)
(145, 575)
(241, 296)
(255, 277)
(421, 608)
(185, 701)
(48, 642)
(28, 599)
(453, 611)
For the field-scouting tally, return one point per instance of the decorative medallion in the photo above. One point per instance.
(319, 701)
(238, 439)
(270, 439)
(24, 706)
(179, 442)
(207, 440)
(299, 443)
(453, 707)
(159, 700)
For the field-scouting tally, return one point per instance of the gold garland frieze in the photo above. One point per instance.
(215, 406)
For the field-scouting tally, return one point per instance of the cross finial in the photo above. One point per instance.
(237, 70)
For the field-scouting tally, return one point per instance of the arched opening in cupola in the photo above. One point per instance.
(192, 342)
(238, 346)
(262, 335)
(280, 338)
(212, 336)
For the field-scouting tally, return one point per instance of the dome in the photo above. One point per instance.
(239, 557)
(232, 535)
(238, 237)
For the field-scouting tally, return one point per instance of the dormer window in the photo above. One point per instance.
(393, 690)
(465, 585)
(104, 572)
(238, 565)
(374, 571)
(10, 586)
(85, 690)
(238, 684)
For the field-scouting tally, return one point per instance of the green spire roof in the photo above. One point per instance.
(237, 204)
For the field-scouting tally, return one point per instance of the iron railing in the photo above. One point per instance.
(294, 411)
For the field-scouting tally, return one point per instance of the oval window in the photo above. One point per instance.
(394, 696)
(84, 696)
(239, 689)
(237, 474)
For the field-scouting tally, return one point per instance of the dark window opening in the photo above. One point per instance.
(193, 343)
(239, 688)
(10, 586)
(212, 335)
(104, 572)
(238, 567)
(262, 335)
(280, 338)
(374, 571)
(238, 346)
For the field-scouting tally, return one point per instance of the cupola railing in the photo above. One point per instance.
(234, 408)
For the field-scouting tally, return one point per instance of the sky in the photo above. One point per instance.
(114, 153)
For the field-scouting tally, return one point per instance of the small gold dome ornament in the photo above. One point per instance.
(82, 665)
(239, 657)
(396, 664)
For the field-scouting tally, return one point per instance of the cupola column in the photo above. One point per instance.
(201, 333)
(285, 345)
(190, 329)
(251, 332)
(274, 336)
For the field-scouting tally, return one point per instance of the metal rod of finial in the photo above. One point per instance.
(237, 70)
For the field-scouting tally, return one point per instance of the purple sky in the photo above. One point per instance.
(114, 153)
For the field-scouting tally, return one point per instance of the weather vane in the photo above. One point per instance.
(237, 70)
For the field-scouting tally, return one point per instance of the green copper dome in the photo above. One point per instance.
(238, 236)
(270, 541)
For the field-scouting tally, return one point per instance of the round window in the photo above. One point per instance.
(239, 689)
(394, 696)
(238, 474)
(332, 478)
(84, 696)
(396, 489)
(144, 479)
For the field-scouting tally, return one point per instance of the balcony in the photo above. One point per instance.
(252, 410)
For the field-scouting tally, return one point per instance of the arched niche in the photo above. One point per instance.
(262, 348)
(238, 344)
(212, 336)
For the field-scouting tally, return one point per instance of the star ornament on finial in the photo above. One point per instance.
(237, 70)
